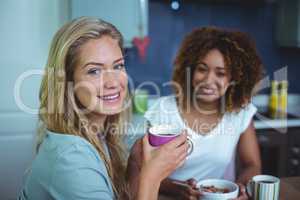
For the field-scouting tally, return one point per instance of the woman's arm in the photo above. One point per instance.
(148, 187)
(148, 166)
(249, 155)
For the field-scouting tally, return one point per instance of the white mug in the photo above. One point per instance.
(264, 187)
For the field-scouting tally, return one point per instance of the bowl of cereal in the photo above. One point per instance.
(217, 189)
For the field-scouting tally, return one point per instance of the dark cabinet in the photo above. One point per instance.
(293, 156)
(280, 152)
(288, 23)
(273, 148)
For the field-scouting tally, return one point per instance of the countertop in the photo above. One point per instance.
(276, 123)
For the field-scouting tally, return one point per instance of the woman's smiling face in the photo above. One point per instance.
(100, 77)
(211, 77)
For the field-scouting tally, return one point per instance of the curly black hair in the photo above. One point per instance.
(240, 57)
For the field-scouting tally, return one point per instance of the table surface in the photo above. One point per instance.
(289, 189)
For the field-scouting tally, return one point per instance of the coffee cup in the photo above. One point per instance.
(264, 187)
(164, 133)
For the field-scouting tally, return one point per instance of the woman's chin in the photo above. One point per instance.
(111, 109)
(207, 99)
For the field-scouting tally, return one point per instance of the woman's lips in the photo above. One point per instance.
(110, 97)
(206, 91)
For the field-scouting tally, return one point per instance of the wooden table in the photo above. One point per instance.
(289, 189)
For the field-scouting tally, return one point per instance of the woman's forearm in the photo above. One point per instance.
(148, 187)
(247, 173)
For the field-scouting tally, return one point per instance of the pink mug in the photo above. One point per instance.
(162, 134)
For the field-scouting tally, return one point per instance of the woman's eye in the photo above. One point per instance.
(201, 69)
(94, 71)
(221, 74)
(119, 67)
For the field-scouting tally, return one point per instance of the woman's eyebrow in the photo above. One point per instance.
(102, 64)
(202, 63)
(93, 63)
(220, 68)
(118, 60)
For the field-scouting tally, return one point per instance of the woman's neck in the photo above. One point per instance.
(202, 117)
(207, 108)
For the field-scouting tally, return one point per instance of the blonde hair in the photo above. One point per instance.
(59, 111)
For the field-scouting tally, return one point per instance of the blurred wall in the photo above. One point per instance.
(27, 27)
(168, 27)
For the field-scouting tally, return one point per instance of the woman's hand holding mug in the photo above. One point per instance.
(160, 162)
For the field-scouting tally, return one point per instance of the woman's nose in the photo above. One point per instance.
(210, 77)
(111, 80)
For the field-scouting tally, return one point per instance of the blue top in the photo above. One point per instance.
(67, 167)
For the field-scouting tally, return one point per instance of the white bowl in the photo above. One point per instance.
(219, 183)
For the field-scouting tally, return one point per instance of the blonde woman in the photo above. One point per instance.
(83, 109)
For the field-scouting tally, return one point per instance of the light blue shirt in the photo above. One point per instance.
(67, 167)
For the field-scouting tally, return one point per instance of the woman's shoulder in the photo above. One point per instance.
(79, 154)
(62, 144)
(70, 165)
(60, 150)
(76, 159)
(243, 117)
(247, 110)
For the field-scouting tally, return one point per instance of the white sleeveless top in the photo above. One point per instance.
(214, 152)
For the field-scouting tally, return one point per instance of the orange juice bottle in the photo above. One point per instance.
(283, 95)
(273, 100)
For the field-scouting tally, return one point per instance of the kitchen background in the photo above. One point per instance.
(27, 27)
(260, 19)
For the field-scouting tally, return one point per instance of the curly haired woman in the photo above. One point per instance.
(215, 74)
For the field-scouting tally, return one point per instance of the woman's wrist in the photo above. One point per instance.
(247, 173)
(150, 176)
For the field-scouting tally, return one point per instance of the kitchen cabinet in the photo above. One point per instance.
(288, 23)
(130, 16)
(280, 152)
(293, 161)
(279, 139)
(273, 148)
